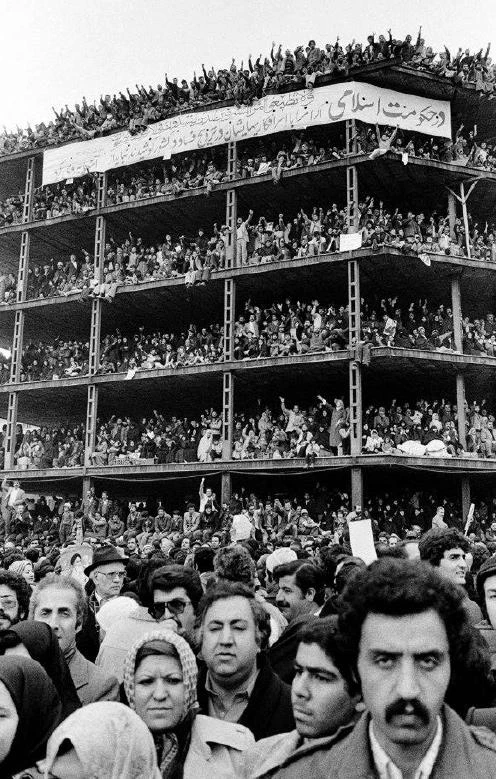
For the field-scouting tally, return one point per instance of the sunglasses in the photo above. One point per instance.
(175, 607)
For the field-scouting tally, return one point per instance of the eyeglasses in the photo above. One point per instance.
(113, 575)
(175, 607)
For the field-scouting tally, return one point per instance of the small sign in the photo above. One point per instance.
(362, 540)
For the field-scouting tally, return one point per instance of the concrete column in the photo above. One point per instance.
(460, 409)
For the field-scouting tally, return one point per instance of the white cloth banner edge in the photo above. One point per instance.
(273, 113)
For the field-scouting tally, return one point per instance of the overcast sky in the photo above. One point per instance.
(55, 51)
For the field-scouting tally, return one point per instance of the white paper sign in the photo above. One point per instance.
(348, 242)
(362, 540)
(272, 114)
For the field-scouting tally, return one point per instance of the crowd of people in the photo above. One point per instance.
(429, 428)
(271, 239)
(159, 439)
(305, 67)
(422, 428)
(261, 156)
(284, 328)
(47, 447)
(315, 659)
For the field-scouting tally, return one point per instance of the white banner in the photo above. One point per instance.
(271, 114)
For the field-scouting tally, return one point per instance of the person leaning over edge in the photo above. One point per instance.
(408, 634)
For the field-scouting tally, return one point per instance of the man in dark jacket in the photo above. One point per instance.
(299, 598)
(409, 636)
(238, 684)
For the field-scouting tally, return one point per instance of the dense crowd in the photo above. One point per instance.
(429, 428)
(291, 431)
(271, 239)
(159, 349)
(258, 157)
(422, 428)
(255, 158)
(105, 608)
(159, 439)
(286, 327)
(243, 84)
(393, 511)
(47, 447)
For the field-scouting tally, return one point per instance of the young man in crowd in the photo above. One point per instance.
(486, 589)
(238, 684)
(408, 634)
(325, 696)
(446, 549)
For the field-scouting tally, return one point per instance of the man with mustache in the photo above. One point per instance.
(408, 635)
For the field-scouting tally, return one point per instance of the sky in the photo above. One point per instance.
(55, 51)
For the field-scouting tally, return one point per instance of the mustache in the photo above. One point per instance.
(3, 615)
(402, 706)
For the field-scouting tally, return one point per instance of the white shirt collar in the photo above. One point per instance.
(388, 770)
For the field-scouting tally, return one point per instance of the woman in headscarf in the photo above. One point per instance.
(43, 646)
(23, 568)
(160, 676)
(32, 711)
(103, 740)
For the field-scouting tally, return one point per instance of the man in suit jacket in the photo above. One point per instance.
(61, 603)
(238, 684)
(92, 684)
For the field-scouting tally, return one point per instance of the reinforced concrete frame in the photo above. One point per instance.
(355, 366)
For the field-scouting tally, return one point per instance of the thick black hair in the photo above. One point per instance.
(307, 576)
(169, 576)
(21, 588)
(225, 590)
(437, 541)
(398, 588)
(325, 633)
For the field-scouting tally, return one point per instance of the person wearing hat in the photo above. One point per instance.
(107, 572)
(486, 590)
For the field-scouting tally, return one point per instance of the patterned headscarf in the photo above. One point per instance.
(172, 749)
(18, 567)
(110, 741)
(186, 658)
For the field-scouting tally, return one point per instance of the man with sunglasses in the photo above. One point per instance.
(176, 594)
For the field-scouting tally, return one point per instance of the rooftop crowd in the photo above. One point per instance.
(311, 659)
(247, 82)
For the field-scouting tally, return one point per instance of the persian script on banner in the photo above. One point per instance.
(271, 114)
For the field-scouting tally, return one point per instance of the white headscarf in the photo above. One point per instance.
(110, 741)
